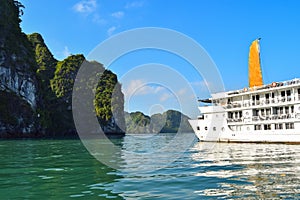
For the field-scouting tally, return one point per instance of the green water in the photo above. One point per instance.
(62, 169)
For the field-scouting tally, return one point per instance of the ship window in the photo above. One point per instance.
(214, 128)
(223, 129)
(288, 94)
(278, 126)
(262, 111)
(289, 126)
(267, 126)
(255, 112)
(267, 98)
(253, 100)
(286, 110)
(240, 114)
(292, 126)
(257, 127)
(198, 128)
(205, 128)
(275, 110)
(236, 115)
(281, 110)
(272, 94)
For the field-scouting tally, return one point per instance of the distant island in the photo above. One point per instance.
(170, 121)
(36, 88)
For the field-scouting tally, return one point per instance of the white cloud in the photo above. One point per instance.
(85, 6)
(134, 4)
(201, 86)
(199, 83)
(66, 52)
(140, 87)
(165, 96)
(111, 30)
(181, 92)
(118, 15)
(97, 19)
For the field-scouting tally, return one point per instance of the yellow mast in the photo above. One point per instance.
(255, 75)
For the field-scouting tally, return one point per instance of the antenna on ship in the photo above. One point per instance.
(255, 74)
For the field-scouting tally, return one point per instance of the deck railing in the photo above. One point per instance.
(278, 84)
(263, 118)
(258, 103)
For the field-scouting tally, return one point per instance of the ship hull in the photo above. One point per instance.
(227, 135)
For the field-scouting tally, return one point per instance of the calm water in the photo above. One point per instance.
(62, 169)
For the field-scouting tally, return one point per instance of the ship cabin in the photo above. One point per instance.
(268, 107)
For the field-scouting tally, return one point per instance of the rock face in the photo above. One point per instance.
(16, 62)
(105, 103)
(18, 83)
(36, 89)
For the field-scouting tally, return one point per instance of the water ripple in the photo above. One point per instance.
(63, 169)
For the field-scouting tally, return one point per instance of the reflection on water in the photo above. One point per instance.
(251, 170)
(60, 169)
(146, 153)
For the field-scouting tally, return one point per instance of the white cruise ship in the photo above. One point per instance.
(259, 113)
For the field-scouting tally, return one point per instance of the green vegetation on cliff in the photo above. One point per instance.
(12, 39)
(64, 76)
(170, 121)
(31, 75)
(109, 99)
(46, 65)
(44, 58)
(137, 122)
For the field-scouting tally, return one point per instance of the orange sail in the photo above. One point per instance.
(255, 75)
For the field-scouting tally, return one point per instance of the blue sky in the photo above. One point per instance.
(225, 28)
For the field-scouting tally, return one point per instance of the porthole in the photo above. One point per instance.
(214, 128)
(198, 128)
(205, 128)
(223, 129)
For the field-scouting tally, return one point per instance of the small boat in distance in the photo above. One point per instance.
(259, 113)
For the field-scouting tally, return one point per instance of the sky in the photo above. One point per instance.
(224, 28)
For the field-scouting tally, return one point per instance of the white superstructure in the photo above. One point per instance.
(269, 113)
